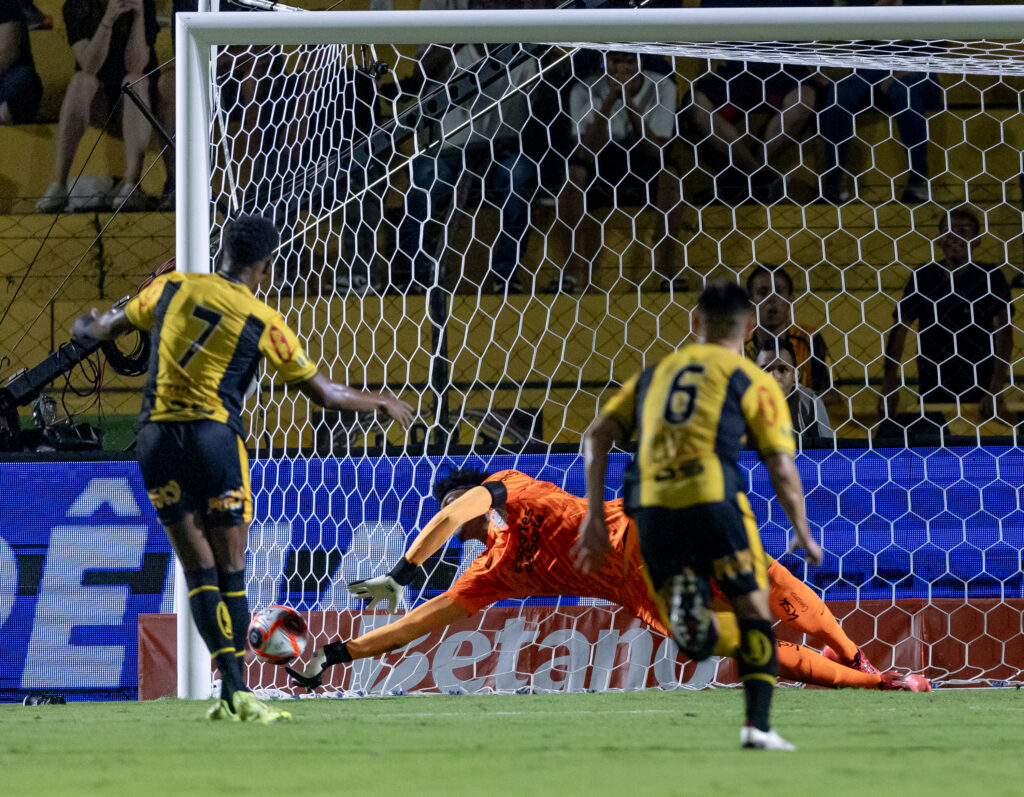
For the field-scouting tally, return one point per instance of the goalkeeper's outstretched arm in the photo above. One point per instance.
(435, 614)
(471, 504)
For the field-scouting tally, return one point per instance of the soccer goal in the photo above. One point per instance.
(473, 219)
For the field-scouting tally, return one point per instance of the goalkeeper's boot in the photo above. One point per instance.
(859, 662)
(249, 709)
(753, 739)
(894, 681)
(221, 710)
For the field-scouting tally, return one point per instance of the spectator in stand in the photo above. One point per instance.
(487, 147)
(20, 86)
(962, 310)
(112, 41)
(909, 96)
(731, 91)
(810, 418)
(771, 290)
(624, 119)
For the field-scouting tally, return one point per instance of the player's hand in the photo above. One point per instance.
(812, 551)
(592, 544)
(313, 675)
(83, 326)
(114, 9)
(375, 590)
(401, 411)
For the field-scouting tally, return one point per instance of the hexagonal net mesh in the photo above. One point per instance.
(502, 234)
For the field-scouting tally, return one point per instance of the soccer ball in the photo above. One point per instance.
(277, 634)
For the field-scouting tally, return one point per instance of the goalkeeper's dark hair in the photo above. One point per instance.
(464, 478)
(249, 240)
(726, 307)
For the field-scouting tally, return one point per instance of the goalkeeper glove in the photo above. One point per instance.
(385, 588)
(323, 659)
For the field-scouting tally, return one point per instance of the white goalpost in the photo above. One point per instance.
(429, 241)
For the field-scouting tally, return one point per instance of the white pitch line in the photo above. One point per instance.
(420, 714)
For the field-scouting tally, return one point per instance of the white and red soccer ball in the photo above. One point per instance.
(278, 634)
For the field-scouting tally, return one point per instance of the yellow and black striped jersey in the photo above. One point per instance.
(691, 413)
(208, 336)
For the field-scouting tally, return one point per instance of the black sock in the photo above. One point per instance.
(758, 668)
(232, 592)
(214, 623)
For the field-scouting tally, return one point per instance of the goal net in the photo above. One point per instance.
(502, 233)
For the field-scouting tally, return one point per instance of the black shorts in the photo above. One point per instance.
(718, 540)
(195, 467)
(739, 86)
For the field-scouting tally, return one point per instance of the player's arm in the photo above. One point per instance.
(435, 614)
(592, 544)
(790, 492)
(437, 532)
(94, 325)
(768, 420)
(336, 396)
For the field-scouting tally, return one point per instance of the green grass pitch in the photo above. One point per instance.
(872, 744)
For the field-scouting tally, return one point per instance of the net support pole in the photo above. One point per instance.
(192, 249)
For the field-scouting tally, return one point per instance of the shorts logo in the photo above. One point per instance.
(231, 501)
(280, 343)
(165, 496)
(731, 567)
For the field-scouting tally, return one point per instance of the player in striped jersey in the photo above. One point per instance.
(209, 334)
(691, 413)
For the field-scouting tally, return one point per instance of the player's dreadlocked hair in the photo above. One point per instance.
(466, 477)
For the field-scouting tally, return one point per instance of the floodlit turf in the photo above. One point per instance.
(870, 744)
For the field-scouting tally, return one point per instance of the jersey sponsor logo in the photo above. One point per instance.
(282, 347)
(684, 470)
(766, 404)
(529, 540)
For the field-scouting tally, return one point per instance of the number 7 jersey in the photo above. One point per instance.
(691, 413)
(208, 334)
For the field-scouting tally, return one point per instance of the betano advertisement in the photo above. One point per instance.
(81, 556)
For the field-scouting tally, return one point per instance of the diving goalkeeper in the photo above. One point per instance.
(529, 527)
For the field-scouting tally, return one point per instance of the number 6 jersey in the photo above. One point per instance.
(208, 334)
(691, 413)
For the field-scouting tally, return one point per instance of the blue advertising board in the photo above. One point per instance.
(82, 555)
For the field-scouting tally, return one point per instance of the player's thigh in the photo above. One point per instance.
(671, 542)
(733, 544)
(219, 476)
(162, 450)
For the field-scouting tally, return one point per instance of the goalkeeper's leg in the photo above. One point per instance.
(799, 607)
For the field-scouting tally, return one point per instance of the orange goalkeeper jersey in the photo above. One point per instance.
(533, 524)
